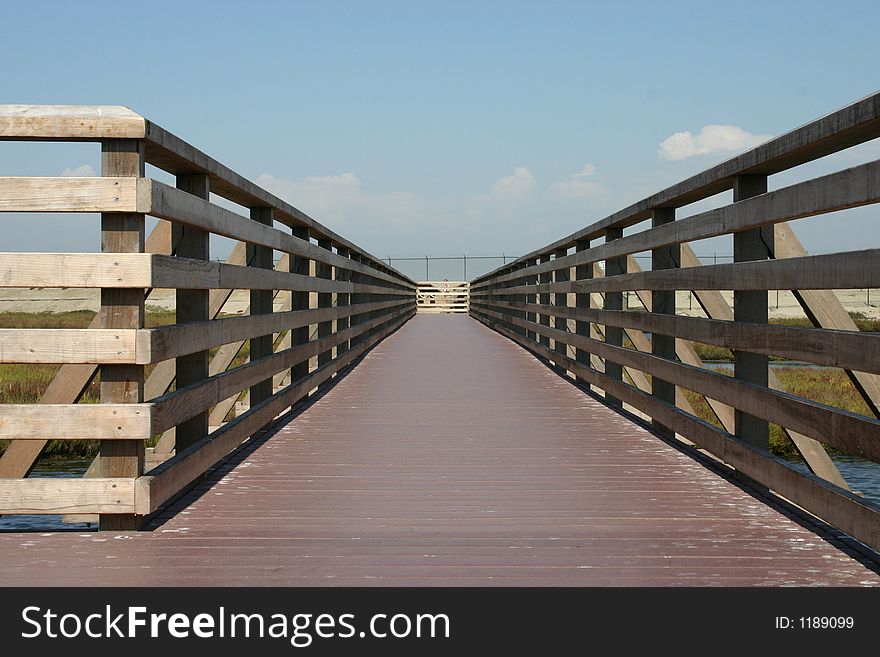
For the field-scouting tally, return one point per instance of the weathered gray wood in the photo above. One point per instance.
(167, 151)
(824, 309)
(582, 301)
(663, 303)
(544, 300)
(859, 185)
(192, 306)
(832, 348)
(122, 309)
(856, 123)
(751, 306)
(166, 202)
(850, 432)
(300, 302)
(560, 301)
(325, 300)
(613, 301)
(261, 304)
(343, 300)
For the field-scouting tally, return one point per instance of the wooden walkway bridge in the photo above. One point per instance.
(332, 436)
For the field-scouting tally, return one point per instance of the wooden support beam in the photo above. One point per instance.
(663, 346)
(325, 300)
(582, 300)
(614, 301)
(300, 302)
(751, 306)
(560, 300)
(261, 304)
(544, 300)
(192, 306)
(343, 300)
(122, 309)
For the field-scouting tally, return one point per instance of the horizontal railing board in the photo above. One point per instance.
(852, 514)
(833, 348)
(164, 150)
(168, 479)
(42, 194)
(147, 270)
(76, 270)
(833, 271)
(75, 421)
(854, 124)
(850, 432)
(175, 205)
(849, 188)
(56, 495)
(98, 346)
(180, 405)
(170, 153)
(70, 122)
(181, 339)
(146, 196)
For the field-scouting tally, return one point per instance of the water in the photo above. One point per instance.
(49, 469)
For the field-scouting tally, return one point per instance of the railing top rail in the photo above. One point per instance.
(165, 151)
(854, 124)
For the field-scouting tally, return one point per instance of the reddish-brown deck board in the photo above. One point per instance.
(450, 456)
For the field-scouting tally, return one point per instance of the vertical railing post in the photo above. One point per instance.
(751, 306)
(560, 300)
(299, 301)
(261, 304)
(325, 300)
(663, 301)
(355, 300)
(122, 308)
(614, 301)
(192, 306)
(342, 300)
(544, 300)
(531, 297)
(582, 300)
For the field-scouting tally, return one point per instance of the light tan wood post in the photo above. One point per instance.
(122, 308)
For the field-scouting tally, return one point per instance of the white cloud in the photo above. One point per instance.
(82, 171)
(710, 139)
(342, 203)
(515, 187)
(578, 185)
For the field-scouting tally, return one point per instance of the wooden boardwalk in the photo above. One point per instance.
(494, 471)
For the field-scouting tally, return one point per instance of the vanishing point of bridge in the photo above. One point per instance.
(332, 435)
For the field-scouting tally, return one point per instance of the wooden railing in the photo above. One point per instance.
(193, 383)
(434, 297)
(559, 303)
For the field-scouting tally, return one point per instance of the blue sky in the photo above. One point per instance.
(414, 127)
